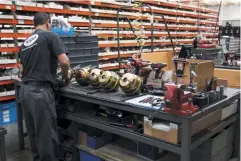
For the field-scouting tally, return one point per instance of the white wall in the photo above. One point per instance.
(231, 13)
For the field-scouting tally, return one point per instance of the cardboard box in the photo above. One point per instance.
(223, 155)
(216, 144)
(204, 70)
(170, 132)
(162, 130)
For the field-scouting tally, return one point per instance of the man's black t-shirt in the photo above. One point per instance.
(38, 55)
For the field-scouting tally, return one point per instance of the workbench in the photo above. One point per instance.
(116, 100)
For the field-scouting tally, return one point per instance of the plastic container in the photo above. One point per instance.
(83, 51)
(68, 38)
(70, 45)
(61, 32)
(8, 113)
(86, 38)
(87, 44)
(85, 64)
(76, 59)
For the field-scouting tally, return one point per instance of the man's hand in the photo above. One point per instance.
(65, 66)
(68, 77)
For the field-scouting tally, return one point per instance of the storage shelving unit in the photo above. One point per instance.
(99, 17)
(8, 49)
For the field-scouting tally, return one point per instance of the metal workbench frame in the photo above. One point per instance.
(184, 149)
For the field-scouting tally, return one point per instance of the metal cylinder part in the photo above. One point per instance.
(60, 74)
(130, 84)
(60, 79)
(94, 77)
(109, 80)
(82, 76)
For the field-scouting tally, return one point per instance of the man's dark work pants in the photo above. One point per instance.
(40, 119)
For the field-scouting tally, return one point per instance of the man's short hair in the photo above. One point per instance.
(41, 18)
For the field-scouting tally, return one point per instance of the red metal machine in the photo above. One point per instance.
(178, 101)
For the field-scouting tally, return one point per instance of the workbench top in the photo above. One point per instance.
(117, 100)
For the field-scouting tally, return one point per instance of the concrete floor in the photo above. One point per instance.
(13, 154)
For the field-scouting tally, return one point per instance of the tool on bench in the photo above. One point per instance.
(111, 114)
(147, 100)
(178, 101)
(203, 99)
(121, 125)
(162, 106)
(158, 68)
(180, 67)
(145, 73)
(137, 124)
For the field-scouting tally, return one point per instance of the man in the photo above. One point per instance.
(39, 56)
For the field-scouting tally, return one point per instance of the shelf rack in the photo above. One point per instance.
(182, 22)
(8, 50)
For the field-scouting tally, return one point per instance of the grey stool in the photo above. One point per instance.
(3, 132)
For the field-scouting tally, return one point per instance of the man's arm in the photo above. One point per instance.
(60, 51)
(64, 64)
(21, 69)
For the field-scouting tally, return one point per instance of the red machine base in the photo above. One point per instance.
(187, 109)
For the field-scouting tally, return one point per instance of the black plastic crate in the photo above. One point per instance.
(87, 44)
(76, 59)
(68, 38)
(83, 51)
(70, 45)
(85, 64)
(76, 52)
(149, 151)
(95, 50)
(86, 38)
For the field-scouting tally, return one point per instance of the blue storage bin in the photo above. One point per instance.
(84, 156)
(62, 32)
(8, 113)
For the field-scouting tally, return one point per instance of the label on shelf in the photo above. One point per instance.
(20, 21)
(10, 93)
(6, 112)
(2, 94)
(19, 8)
(96, 14)
(14, 76)
(6, 118)
(5, 78)
(4, 61)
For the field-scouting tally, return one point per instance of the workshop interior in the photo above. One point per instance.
(151, 80)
